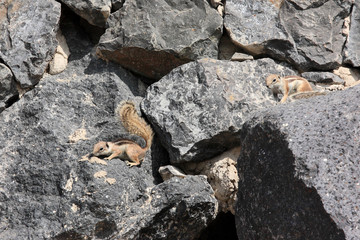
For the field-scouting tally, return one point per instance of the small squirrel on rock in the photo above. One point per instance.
(287, 85)
(124, 148)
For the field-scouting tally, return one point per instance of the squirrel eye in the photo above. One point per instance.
(101, 149)
(274, 80)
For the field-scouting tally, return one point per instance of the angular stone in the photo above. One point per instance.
(306, 34)
(197, 109)
(96, 12)
(162, 36)
(28, 37)
(241, 57)
(352, 46)
(299, 170)
(8, 89)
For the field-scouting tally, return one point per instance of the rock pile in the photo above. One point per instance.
(222, 143)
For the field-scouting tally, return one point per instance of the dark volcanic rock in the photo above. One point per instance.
(177, 209)
(116, 4)
(323, 77)
(299, 170)
(8, 89)
(28, 37)
(96, 12)
(352, 52)
(198, 108)
(153, 37)
(306, 34)
(48, 191)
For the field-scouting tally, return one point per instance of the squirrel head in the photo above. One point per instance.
(272, 79)
(101, 149)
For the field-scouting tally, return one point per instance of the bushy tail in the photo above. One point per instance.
(303, 95)
(133, 122)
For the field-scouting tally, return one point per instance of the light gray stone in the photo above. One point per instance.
(170, 171)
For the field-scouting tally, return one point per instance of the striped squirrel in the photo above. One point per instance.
(124, 148)
(287, 85)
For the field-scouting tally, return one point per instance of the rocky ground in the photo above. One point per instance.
(227, 161)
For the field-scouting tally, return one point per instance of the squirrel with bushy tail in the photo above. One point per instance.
(125, 148)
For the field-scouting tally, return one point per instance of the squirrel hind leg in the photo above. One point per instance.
(136, 163)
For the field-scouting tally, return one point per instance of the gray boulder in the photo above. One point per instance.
(50, 190)
(153, 37)
(352, 53)
(299, 170)
(96, 12)
(8, 91)
(307, 34)
(198, 108)
(28, 37)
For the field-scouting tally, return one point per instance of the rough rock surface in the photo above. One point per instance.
(49, 191)
(8, 89)
(308, 34)
(352, 53)
(221, 173)
(28, 37)
(299, 170)
(96, 12)
(162, 36)
(198, 107)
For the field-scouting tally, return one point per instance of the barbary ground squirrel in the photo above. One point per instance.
(124, 148)
(287, 85)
